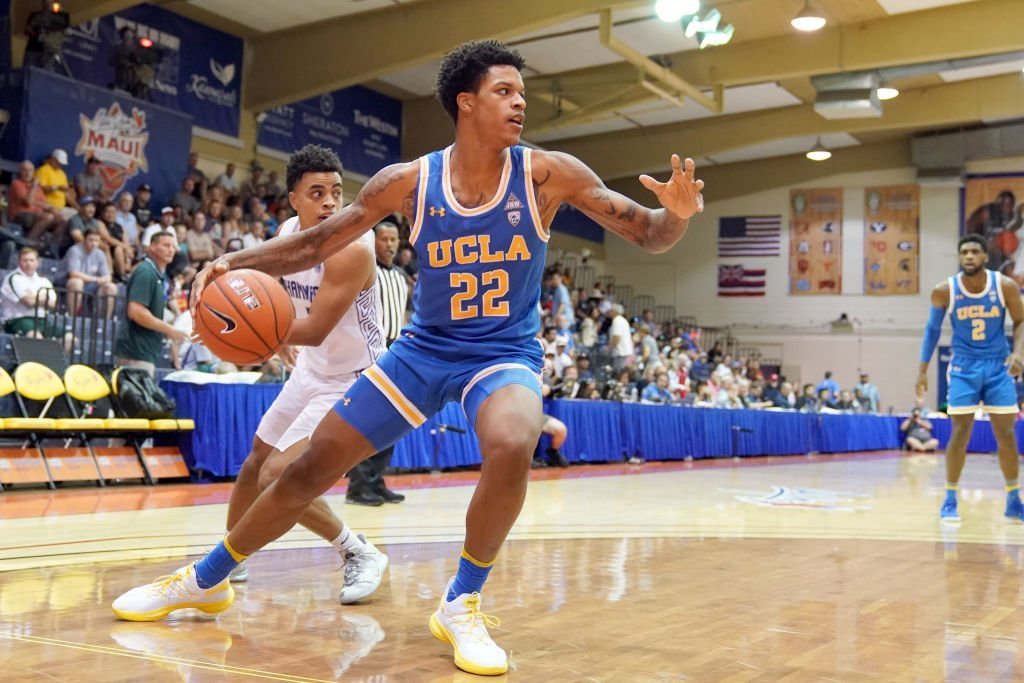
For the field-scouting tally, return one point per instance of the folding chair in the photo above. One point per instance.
(66, 462)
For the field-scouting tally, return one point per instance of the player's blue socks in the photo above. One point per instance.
(217, 564)
(470, 577)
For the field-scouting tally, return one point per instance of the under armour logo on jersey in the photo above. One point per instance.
(435, 211)
(346, 401)
(513, 203)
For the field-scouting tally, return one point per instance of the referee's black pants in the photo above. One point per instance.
(368, 476)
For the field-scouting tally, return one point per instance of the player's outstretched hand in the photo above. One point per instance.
(681, 194)
(922, 385)
(210, 272)
(1014, 364)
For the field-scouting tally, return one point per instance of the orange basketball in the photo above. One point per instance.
(244, 317)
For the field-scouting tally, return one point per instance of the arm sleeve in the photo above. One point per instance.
(931, 333)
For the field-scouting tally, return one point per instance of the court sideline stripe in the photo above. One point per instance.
(256, 673)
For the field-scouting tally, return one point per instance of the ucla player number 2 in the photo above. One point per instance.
(978, 329)
(493, 284)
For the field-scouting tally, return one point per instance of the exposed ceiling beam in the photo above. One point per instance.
(360, 47)
(964, 30)
(726, 181)
(622, 153)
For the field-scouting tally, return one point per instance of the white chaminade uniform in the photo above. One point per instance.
(323, 373)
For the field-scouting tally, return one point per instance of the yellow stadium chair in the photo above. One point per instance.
(72, 460)
(24, 465)
(86, 388)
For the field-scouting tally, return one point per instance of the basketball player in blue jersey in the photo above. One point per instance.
(982, 368)
(480, 211)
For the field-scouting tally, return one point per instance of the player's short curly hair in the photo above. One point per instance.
(973, 239)
(311, 159)
(464, 68)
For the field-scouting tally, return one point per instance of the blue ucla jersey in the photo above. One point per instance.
(978, 320)
(479, 269)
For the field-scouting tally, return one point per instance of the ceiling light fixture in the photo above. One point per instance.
(808, 19)
(719, 37)
(887, 93)
(818, 152)
(707, 24)
(674, 10)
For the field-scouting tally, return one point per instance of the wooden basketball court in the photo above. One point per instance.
(768, 569)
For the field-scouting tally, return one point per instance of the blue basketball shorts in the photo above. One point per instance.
(976, 381)
(409, 384)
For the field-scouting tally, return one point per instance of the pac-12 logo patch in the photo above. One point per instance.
(513, 218)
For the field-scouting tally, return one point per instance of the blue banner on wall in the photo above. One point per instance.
(137, 142)
(574, 222)
(362, 126)
(200, 69)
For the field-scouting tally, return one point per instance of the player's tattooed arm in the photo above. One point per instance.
(391, 189)
(563, 178)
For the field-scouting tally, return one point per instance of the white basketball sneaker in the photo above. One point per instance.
(169, 593)
(240, 574)
(364, 570)
(462, 624)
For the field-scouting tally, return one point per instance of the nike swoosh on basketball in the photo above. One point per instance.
(229, 323)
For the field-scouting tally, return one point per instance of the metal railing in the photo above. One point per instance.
(87, 323)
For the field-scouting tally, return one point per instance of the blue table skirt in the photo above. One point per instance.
(226, 417)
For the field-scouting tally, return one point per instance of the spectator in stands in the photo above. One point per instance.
(650, 354)
(647, 318)
(863, 401)
(256, 236)
(847, 403)
(273, 187)
(29, 208)
(142, 337)
(166, 224)
(830, 384)
(249, 186)
(869, 392)
(583, 368)
(754, 398)
(200, 181)
(231, 227)
(227, 180)
(185, 199)
(723, 371)
(715, 354)
(112, 234)
(570, 385)
(25, 299)
(620, 339)
(657, 391)
(919, 432)
(561, 302)
(201, 247)
(701, 369)
(89, 183)
(406, 260)
(771, 388)
(142, 207)
(282, 214)
(126, 219)
(84, 220)
(621, 388)
(808, 401)
(88, 271)
(786, 398)
(54, 181)
(588, 330)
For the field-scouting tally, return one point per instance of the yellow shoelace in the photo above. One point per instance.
(469, 620)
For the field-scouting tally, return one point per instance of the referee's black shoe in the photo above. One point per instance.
(367, 498)
(388, 495)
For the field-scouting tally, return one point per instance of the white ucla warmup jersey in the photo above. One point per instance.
(357, 341)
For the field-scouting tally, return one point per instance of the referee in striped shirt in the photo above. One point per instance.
(366, 480)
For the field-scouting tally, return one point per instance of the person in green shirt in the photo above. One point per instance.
(142, 338)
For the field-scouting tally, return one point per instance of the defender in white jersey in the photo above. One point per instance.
(339, 329)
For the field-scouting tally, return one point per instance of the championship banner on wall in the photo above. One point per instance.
(994, 207)
(199, 71)
(815, 242)
(892, 240)
(136, 142)
(362, 126)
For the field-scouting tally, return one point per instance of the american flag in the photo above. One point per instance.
(749, 236)
(740, 281)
